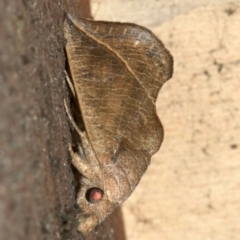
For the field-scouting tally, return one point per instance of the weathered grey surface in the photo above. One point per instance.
(37, 195)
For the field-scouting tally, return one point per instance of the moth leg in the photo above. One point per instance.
(70, 83)
(88, 166)
(86, 151)
(80, 164)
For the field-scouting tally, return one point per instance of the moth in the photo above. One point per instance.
(117, 70)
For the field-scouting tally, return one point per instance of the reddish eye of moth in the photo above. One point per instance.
(94, 195)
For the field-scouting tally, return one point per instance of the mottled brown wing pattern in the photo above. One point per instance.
(120, 69)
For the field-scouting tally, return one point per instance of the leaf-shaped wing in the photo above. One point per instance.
(117, 71)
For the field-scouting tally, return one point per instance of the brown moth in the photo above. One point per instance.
(117, 70)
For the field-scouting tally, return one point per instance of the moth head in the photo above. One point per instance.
(106, 188)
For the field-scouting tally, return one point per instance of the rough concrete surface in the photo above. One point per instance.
(191, 190)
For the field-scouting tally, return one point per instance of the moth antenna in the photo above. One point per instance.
(72, 120)
(70, 83)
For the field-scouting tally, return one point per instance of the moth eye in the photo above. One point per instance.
(94, 195)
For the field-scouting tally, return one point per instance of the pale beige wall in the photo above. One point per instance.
(191, 190)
